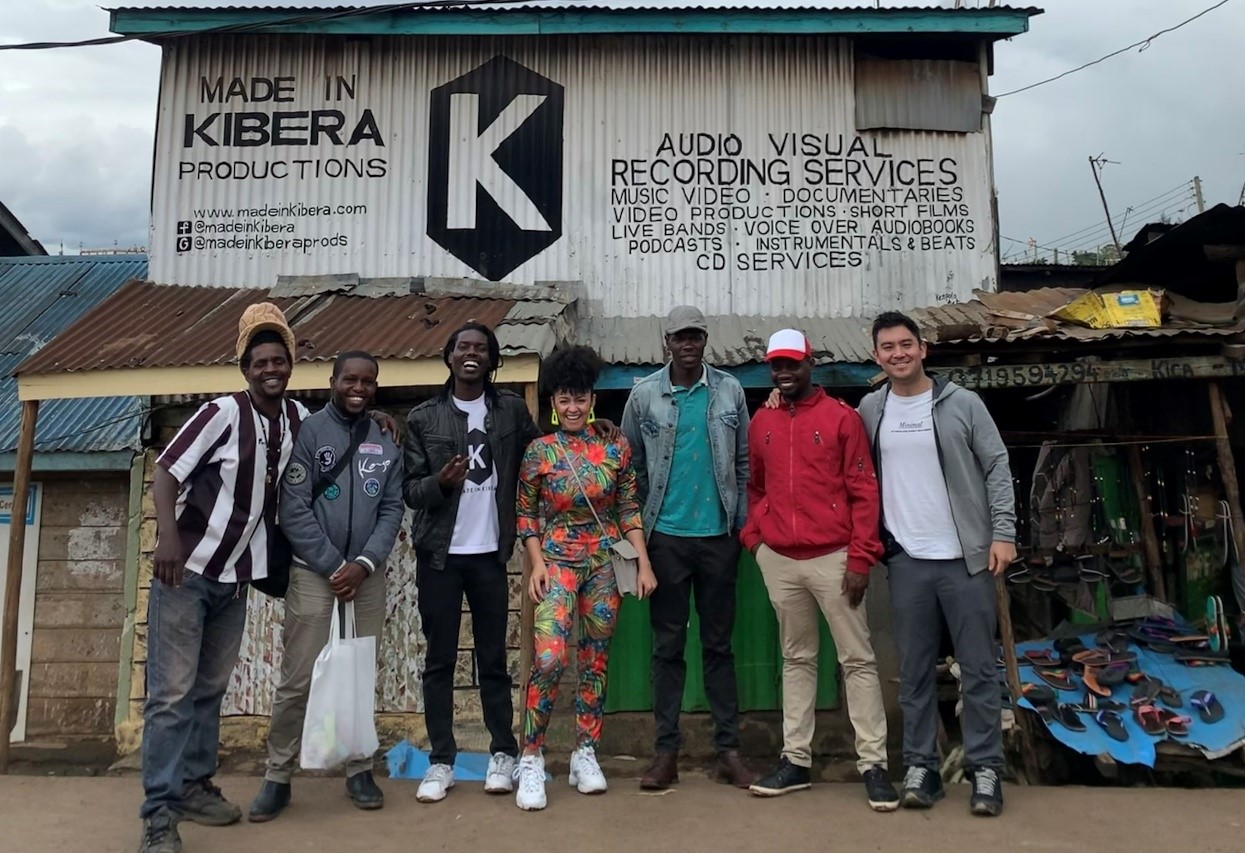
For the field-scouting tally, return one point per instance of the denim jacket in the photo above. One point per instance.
(650, 421)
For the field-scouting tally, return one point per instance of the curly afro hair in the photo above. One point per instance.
(571, 370)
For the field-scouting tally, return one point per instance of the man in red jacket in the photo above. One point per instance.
(813, 526)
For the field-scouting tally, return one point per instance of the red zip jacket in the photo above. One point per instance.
(812, 490)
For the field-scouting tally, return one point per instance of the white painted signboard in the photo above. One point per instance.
(26, 600)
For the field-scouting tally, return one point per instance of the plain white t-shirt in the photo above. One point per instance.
(475, 528)
(915, 505)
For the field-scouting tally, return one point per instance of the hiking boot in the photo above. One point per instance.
(160, 834)
(879, 790)
(987, 798)
(364, 792)
(662, 773)
(203, 803)
(787, 777)
(530, 774)
(500, 776)
(922, 787)
(437, 783)
(272, 798)
(586, 773)
(731, 770)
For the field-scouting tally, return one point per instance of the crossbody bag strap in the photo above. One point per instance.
(358, 432)
(582, 490)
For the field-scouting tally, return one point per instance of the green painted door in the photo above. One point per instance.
(758, 657)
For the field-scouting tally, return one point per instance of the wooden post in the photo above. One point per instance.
(13, 579)
(1149, 539)
(1221, 416)
(1007, 636)
(527, 610)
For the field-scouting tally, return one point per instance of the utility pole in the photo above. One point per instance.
(1096, 164)
(1197, 194)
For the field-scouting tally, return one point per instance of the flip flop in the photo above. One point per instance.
(1112, 723)
(1067, 717)
(1043, 700)
(1225, 627)
(1202, 658)
(1177, 725)
(1213, 624)
(1150, 719)
(1042, 657)
(1144, 693)
(1090, 677)
(1113, 673)
(1056, 678)
(1208, 706)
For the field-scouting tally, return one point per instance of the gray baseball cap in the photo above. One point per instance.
(685, 317)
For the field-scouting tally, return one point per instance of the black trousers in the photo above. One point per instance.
(707, 566)
(483, 578)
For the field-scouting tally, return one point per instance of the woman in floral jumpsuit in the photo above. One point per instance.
(571, 569)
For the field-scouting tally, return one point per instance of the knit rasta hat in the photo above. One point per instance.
(263, 317)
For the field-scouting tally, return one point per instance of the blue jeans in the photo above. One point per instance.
(193, 635)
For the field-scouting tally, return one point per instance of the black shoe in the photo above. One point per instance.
(363, 791)
(160, 834)
(786, 778)
(922, 787)
(987, 799)
(203, 803)
(881, 793)
(271, 800)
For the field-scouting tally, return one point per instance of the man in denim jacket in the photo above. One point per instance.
(688, 428)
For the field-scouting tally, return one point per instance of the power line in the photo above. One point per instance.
(314, 17)
(1184, 187)
(1157, 208)
(1143, 44)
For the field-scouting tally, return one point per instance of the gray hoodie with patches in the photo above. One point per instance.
(974, 464)
(355, 519)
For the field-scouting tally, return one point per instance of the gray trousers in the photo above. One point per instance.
(308, 614)
(923, 594)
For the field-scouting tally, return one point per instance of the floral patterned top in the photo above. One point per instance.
(551, 505)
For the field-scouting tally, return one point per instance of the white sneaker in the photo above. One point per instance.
(531, 777)
(500, 776)
(585, 773)
(437, 782)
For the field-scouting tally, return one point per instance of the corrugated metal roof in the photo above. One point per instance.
(186, 326)
(42, 296)
(732, 340)
(598, 5)
(1019, 316)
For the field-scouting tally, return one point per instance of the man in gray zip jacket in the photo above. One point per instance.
(341, 507)
(949, 527)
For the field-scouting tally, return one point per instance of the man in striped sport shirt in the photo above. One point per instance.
(214, 486)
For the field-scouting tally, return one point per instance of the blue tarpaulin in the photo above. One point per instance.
(1213, 739)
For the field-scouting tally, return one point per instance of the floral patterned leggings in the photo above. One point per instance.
(590, 589)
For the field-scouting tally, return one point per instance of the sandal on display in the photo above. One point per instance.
(1150, 719)
(1112, 723)
(1208, 707)
(1056, 678)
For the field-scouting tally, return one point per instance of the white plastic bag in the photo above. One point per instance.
(340, 724)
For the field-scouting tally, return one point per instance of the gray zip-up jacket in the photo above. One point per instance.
(974, 464)
(355, 519)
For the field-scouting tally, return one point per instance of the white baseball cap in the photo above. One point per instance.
(788, 343)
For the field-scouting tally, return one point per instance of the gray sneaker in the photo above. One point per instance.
(203, 803)
(160, 834)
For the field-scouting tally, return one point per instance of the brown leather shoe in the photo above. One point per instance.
(731, 770)
(662, 773)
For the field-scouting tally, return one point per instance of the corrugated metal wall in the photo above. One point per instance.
(621, 95)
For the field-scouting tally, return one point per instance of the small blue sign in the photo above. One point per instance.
(6, 505)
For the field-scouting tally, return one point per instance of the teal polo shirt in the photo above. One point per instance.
(692, 506)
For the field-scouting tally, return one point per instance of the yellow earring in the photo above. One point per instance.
(592, 416)
(553, 418)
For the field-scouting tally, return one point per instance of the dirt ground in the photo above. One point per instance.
(99, 814)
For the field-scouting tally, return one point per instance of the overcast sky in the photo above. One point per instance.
(76, 124)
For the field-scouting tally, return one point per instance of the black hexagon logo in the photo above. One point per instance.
(495, 166)
(479, 457)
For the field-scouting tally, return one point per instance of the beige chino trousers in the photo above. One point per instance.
(798, 590)
(309, 606)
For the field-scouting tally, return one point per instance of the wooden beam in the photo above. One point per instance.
(1149, 539)
(1220, 415)
(1035, 375)
(13, 580)
(1007, 636)
(527, 609)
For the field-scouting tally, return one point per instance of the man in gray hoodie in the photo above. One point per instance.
(341, 506)
(949, 528)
